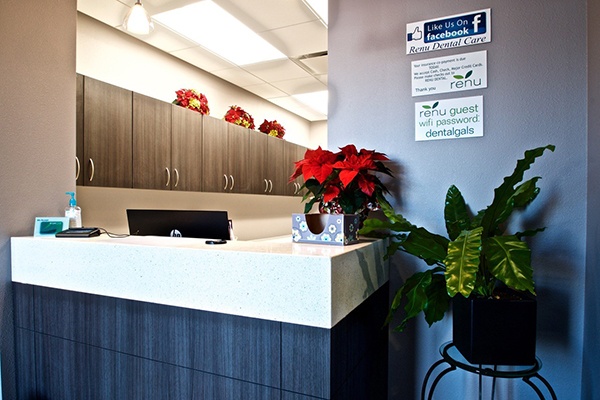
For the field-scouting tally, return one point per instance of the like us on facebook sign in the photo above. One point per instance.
(449, 32)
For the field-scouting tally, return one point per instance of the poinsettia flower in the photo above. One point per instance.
(352, 166)
(316, 164)
(330, 193)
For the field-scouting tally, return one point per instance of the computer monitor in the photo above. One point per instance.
(179, 223)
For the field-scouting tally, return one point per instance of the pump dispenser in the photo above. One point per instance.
(73, 212)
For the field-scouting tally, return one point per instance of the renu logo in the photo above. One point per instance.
(463, 82)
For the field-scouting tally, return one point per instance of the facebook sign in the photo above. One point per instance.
(453, 31)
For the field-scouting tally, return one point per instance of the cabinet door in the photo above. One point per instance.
(214, 155)
(238, 142)
(277, 166)
(107, 113)
(258, 164)
(294, 152)
(151, 143)
(79, 131)
(186, 149)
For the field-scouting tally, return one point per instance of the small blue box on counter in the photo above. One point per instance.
(337, 229)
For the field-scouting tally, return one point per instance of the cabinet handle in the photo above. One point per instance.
(232, 182)
(93, 169)
(77, 168)
(270, 186)
(266, 185)
(168, 176)
(296, 188)
(176, 177)
(226, 182)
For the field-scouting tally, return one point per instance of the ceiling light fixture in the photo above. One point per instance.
(218, 31)
(137, 20)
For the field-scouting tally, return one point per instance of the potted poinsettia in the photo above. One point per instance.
(192, 100)
(238, 116)
(343, 184)
(272, 128)
(485, 273)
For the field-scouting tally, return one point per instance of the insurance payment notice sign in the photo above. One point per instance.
(448, 32)
(449, 74)
(449, 119)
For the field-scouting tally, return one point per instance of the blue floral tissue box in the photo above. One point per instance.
(338, 229)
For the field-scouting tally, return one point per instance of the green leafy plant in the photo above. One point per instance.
(476, 257)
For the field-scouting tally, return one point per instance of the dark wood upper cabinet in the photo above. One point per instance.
(126, 139)
(186, 150)
(107, 134)
(79, 131)
(151, 143)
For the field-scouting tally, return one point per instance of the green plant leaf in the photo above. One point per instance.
(462, 262)
(503, 202)
(509, 260)
(414, 290)
(459, 77)
(526, 192)
(427, 107)
(435, 104)
(529, 232)
(438, 300)
(455, 213)
(430, 247)
(469, 74)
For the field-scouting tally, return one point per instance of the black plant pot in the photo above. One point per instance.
(495, 331)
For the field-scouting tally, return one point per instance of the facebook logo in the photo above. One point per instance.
(455, 27)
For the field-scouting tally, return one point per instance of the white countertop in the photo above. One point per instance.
(274, 279)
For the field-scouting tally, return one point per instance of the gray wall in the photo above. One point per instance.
(37, 126)
(536, 95)
(591, 344)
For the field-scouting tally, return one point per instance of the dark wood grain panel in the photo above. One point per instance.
(238, 153)
(107, 121)
(228, 345)
(23, 305)
(279, 176)
(258, 163)
(214, 154)
(79, 129)
(186, 149)
(25, 363)
(151, 143)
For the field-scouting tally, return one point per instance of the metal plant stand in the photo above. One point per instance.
(452, 357)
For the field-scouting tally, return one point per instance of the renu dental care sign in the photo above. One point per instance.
(449, 32)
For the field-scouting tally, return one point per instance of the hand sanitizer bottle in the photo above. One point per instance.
(73, 212)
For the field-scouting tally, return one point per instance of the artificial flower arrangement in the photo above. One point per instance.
(236, 115)
(272, 128)
(344, 182)
(193, 100)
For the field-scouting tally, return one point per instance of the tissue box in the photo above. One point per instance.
(337, 229)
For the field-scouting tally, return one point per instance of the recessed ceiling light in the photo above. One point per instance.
(320, 8)
(315, 100)
(218, 31)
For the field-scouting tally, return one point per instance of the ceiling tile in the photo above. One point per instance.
(266, 15)
(299, 86)
(297, 40)
(237, 76)
(276, 70)
(265, 90)
(202, 59)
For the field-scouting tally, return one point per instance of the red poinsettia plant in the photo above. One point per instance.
(237, 115)
(192, 99)
(344, 182)
(272, 128)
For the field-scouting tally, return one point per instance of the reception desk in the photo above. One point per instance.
(176, 318)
